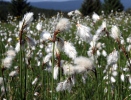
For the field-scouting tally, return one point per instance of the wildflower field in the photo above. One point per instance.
(74, 58)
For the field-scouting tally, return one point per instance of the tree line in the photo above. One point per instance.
(90, 6)
(18, 8)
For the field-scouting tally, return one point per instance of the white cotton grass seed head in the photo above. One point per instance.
(7, 62)
(113, 80)
(112, 58)
(115, 32)
(47, 58)
(84, 62)
(104, 53)
(35, 81)
(63, 24)
(56, 72)
(39, 26)
(44, 36)
(98, 53)
(11, 53)
(84, 32)
(27, 19)
(70, 50)
(130, 79)
(129, 39)
(95, 17)
(114, 73)
(67, 85)
(77, 12)
(60, 43)
(68, 69)
(59, 87)
(9, 40)
(1, 81)
(13, 73)
(36, 94)
(122, 77)
(17, 47)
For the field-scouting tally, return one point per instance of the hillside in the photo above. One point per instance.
(64, 6)
(69, 5)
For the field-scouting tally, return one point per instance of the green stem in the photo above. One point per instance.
(52, 70)
(4, 83)
(21, 72)
(25, 76)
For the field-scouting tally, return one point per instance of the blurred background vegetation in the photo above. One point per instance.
(17, 8)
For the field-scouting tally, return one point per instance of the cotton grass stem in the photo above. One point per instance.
(52, 81)
(21, 72)
(4, 82)
(124, 51)
(25, 76)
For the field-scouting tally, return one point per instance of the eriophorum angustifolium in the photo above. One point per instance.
(79, 57)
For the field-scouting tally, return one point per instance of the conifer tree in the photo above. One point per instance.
(114, 5)
(90, 6)
(19, 7)
(98, 6)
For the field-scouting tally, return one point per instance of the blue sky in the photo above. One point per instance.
(44, 0)
(126, 3)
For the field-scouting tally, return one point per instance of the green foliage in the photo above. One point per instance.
(3, 10)
(15, 10)
(114, 5)
(128, 10)
(19, 7)
(90, 6)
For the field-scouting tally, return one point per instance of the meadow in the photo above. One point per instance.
(74, 58)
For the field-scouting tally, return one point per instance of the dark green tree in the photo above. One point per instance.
(114, 5)
(98, 6)
(4, 10)
(87, 7)
(19, 7)
(90, 6)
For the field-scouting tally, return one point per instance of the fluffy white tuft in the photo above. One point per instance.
(113, 80)
(59, 87)
(115, 32)
(84, 32)
(7, 62)
(84, 62)
(112, 58)
(68, 69)
(56, 72)
(1, 81)
(39, 26)
(122, 77)
(44, 36)
(63, 24)
(11, 53)
(28, 18)
(35, 81)
(95, 17)
(67, 85)
(13, 73)
(47, 58)
(70, 50)
(17, 47)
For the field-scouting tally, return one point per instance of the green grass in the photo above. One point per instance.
(92, 90)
